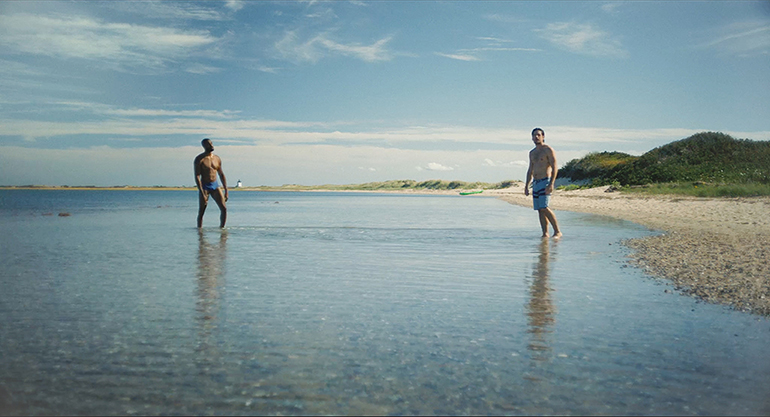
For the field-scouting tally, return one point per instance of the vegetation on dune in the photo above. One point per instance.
(705, 164)
(594, 165)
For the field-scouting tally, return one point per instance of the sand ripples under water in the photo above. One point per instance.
(345, 303)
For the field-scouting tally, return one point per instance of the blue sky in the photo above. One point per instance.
(316, 92)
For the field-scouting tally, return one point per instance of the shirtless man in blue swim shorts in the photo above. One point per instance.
(207, 166)
(542, 167)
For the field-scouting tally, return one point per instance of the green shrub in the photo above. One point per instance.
(707, 156)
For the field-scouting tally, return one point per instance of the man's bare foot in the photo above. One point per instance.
(557, 235)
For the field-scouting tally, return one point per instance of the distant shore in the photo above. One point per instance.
(284, 188)
(716, 249)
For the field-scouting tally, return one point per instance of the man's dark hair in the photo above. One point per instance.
(203, 142)
(536, 129)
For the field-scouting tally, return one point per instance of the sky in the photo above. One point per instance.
(343, 92)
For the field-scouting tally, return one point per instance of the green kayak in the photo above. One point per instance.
(471, 192)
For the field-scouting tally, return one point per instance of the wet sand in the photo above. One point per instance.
(716, 249)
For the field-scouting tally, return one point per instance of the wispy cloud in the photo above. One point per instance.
(491, 44)
(175, 10)
(504, 18)
(459, 57)
(494, 40)
(748, 38)
(104, 109)
(292, 48)
(519, 163)
(120, 45)
(611, 7)
(582, 39)
(202, 69)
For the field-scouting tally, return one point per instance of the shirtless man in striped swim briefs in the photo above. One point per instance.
(207, 166)
(543, 169)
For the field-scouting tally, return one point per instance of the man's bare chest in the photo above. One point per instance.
(210, 162)
(538, 155)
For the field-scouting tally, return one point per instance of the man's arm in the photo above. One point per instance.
(529, 176)
(197, 171)
(554, 171)
(224, 180)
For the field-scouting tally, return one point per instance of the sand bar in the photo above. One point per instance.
(714, 248)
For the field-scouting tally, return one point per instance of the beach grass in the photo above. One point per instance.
(701, 189)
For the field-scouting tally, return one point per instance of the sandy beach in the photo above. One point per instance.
(714, 249)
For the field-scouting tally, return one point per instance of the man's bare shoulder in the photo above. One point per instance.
(541, 149)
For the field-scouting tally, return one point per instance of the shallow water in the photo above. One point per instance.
(326, 303)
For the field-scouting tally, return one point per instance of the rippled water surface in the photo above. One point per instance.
(325, 303)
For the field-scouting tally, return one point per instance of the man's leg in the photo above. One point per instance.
(543, 221)
(550, 217)
(219, 197)
(203, 201)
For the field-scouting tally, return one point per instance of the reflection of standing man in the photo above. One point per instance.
(207, 166)
(540, 309)
(542, 167)
(211, 282)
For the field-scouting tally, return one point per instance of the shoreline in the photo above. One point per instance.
(715, 249)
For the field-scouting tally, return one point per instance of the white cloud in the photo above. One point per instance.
(494, 40)
(459, 57)
(290, 47)
(434, 166)
(746, 38)
(582, 39)
(234, 5)
(119, 45)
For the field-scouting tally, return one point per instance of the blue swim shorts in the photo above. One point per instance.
(540, 199)
(212, 186)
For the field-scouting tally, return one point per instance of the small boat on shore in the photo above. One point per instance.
(471, 192)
